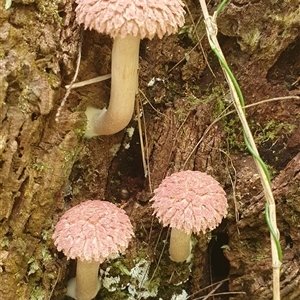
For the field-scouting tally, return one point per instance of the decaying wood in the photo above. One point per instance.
(245, 244)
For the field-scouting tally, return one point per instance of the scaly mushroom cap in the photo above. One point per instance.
(190, 201)
(141, 18)
(93, 230)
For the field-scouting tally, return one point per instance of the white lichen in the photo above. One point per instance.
(110, 283)
(114, 149)
(140, 270)
(182, 296)
(130, 131)
(141, 287)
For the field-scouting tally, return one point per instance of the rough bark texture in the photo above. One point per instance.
(47, 167)
(38, 47)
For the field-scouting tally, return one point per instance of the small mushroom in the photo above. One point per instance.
(91, 232)
(189, 202)
(127, 21)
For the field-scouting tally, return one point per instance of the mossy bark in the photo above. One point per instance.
(37, 154)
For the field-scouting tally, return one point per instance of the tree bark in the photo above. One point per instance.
(38, 47)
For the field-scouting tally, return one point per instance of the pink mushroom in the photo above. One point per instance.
(91, 232)
(189, 202)
(127, 21)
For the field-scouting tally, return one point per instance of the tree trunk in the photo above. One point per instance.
(47, 167)
(38, 47)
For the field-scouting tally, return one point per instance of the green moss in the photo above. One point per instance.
(80, 132)
(142, 278)
(118, 295)
(38, 294)
(259, 253)
(33, 266)
(49, 9)
(294, 218)
(181, 114)
(251, 39)
(41, 167)
(4, 242)
(270, 132)
(192, 31)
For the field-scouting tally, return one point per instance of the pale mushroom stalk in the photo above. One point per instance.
(124, 86)
(127, 21)
(91, 232)
(189, 202)
(87, 281)
(86, 284)
(180, 245)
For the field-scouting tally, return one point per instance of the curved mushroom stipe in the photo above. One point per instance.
(124, 86)
(127, 21)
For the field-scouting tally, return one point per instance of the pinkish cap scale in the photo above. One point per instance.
(93, 230)
(140, 18)
(190, 201)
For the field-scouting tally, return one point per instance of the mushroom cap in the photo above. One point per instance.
(93, 230)
(141, 18)
(190, 201)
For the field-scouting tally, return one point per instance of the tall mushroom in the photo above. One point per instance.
(190, 202)
(91, 232)
(127, 21)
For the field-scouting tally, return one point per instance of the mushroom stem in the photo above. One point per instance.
(87, 281)
(124, 86)
(180, 245)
